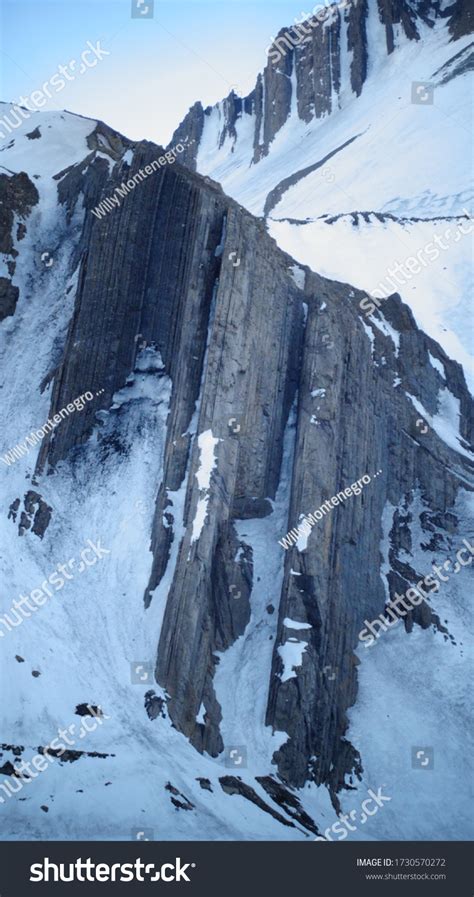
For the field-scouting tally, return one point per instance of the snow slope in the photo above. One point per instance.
(407, 160)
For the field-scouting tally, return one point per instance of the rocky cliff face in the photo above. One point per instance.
(327, 57)
(17, 197)
(337, 577)
(269, 365)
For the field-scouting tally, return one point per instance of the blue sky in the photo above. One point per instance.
(157, 66)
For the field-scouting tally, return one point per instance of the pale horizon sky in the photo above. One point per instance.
(157, 68)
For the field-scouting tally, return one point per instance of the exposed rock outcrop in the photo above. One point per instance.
(244, 335)
(311, 58)
(461, 20)
(18, 195)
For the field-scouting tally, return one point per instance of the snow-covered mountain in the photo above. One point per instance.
(352, 175)
(207, 391)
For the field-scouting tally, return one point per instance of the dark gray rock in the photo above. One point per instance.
(288, 802)
(184, 268)
(205, 784)
(334, 579)
(184, 803)
(458, 64)
(189, 133)
(8, 298)
(18, 195)
(37, 512)
(313, 50)
(461, 20)
(398, 12)
(154, 705)
(233, 785)
(280, 189)
(357, 43)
